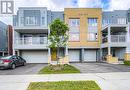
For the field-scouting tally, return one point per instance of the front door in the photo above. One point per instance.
(53, 54)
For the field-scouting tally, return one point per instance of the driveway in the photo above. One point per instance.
(100, 67)
(28, 69)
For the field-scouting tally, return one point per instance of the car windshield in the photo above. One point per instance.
(6, 57)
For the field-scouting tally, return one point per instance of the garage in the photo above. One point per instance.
(90, 55)
(35, 56)
(74, 55)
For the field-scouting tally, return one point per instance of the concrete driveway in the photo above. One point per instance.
(23, 70)
(100, 67)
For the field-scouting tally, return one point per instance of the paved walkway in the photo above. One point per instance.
(107, 81)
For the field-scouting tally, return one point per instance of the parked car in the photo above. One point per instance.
(11, 62)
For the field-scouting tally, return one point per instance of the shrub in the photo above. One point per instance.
(127, 63)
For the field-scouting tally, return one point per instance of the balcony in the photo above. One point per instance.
(31, 43)
(31, 29)
(115, 40)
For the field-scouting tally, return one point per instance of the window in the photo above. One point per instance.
(31, 20)
(105, 22)
(92, 36)
(74, 37)
(43, 20)
(121, 20)
(74, 22)
(74, 30)
(92, 21)
(92, 29)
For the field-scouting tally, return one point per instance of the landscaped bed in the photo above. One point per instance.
(59, 69)
(127, 63)
(64, 85)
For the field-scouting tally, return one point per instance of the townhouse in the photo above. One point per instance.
(93, 36)
(5, 39)
(31, 33)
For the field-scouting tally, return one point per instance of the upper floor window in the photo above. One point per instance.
(31, 20)
(92, 34)
(74, 29)
(121, 20)
(92, 21)
(106, 21)
(74, 22)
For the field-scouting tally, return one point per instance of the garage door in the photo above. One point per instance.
(74, 55)
(35, 56)
(90, 55)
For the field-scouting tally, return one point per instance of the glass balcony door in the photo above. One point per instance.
(28, 39)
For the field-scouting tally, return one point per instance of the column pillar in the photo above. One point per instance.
(66, 50)
(49, 55)
(109, 35)
(82, 55)
(109, 50)
(66, 58)
(100, 54)
(18, 53)
(127, 53)
(3, 53)
(49, 49)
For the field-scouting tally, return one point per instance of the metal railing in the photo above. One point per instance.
(115, 39)
(118, 38)
(31, 41)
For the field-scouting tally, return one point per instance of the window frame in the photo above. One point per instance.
(95, 25)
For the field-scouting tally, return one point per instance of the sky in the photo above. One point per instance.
(59, 5)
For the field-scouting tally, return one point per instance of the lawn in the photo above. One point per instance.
(59, 69)
(64, 85)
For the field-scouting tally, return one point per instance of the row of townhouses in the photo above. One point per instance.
(94, 35)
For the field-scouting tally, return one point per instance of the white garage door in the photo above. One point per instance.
(35, 56)
(90, 55)
(74, 55)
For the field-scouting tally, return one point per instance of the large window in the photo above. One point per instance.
(121, 20)
(92, 36)
(74, 30)
(31, 20)
(74, 22)
(74, 37)
(92, 29)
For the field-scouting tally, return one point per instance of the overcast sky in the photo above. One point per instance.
(61, 4)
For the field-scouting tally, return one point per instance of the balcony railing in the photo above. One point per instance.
(31, 41)
(115, 39)
(118, 38)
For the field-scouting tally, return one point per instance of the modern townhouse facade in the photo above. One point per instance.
(84, 34)
(93, 36)
(5, 39)
(115, 36)
(31, 33)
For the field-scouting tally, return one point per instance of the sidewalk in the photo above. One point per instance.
(107, 81)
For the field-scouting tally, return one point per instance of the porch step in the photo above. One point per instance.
(119, 62)
(53, 62)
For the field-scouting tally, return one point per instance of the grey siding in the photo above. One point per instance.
(3, 36)
(52, 15)
(112, 16)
